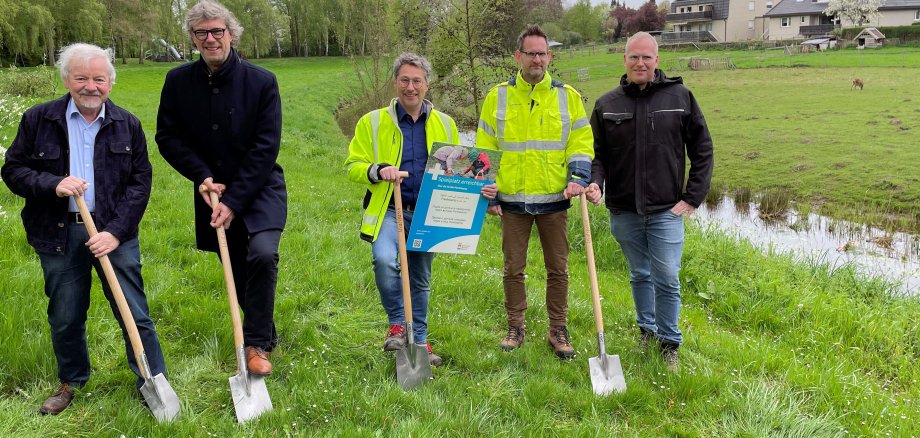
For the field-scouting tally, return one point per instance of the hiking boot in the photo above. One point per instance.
(645, 337)
(257, 361)
(669, 354)
(559, 339)
(396, 338)
(435, 360)
(57, 402)
(514, 339)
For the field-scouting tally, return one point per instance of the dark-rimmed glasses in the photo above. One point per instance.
(202, 34)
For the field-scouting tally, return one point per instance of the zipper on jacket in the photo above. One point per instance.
(651, 115)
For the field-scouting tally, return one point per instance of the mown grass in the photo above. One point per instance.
(773, 347)
(850, 153)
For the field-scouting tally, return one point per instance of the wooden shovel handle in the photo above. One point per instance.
(592, 269)
(126, 317)
(403, 257)
(228, 274)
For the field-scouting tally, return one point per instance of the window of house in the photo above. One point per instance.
(709, 26)
(769, 5)
(750, 24)
(750, 6)
(803, 20)
(917, 15)
(701, 8)
(785, 22)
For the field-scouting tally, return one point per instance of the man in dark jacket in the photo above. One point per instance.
(643, 130)
(219, 125)
(83, 144)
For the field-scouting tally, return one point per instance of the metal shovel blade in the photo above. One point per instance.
(412, 366)
(250, 396)
(606, 374)
(160, 398)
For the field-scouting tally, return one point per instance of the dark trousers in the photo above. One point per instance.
(68, 278)
(254, 258)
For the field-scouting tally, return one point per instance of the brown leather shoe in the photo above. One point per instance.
(257, 361)
(514, 338)
(558, 337)
(58, 401)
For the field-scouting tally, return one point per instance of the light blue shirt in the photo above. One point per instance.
(81, 137)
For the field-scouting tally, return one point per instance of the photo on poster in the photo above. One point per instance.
(449, 203)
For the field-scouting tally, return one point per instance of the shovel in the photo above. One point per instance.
(159, 395)
(412, 365)
(250, 396)
(606, 372)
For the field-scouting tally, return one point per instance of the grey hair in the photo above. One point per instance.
(639, 36)
(83, 53)
(212, 10)
(412, 59)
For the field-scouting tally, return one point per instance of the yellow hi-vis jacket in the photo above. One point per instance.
(545, 139)
(378, 140)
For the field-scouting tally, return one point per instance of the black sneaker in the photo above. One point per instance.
(669, 354)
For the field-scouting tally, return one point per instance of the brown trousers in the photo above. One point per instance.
(553, 229)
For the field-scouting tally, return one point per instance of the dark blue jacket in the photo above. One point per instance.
(226, 125)
(39, 159)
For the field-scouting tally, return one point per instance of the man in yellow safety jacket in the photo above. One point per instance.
(389, 140)
(541, 128)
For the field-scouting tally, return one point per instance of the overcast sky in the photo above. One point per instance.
(630, 3)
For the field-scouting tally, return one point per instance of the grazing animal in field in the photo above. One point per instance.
(857, 83)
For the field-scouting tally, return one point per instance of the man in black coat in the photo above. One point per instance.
(83, 144)
(644, 131)
(219, 125)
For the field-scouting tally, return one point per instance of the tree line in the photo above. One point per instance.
(32, 31)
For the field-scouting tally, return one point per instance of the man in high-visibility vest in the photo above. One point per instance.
(540, 126)
(387, 141)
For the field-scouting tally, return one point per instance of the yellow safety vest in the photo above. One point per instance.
(544, 136)
(377, 140)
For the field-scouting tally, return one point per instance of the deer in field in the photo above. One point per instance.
(857, 83)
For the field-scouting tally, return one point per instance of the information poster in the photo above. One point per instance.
(450, 210)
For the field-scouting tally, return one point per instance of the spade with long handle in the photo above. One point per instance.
(250, 395)
(159, 395)
(412, 365)
(606, 371)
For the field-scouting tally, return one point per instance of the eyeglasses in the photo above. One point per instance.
(536, 54)
(202, 34)
(404, 82)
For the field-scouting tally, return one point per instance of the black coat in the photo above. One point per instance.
(642, 139)
(226, 125)
(39, 159)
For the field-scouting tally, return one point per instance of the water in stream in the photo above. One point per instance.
(895, 256)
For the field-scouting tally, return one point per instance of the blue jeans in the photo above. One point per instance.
(653, 245)
(386, 273)
(67, 284)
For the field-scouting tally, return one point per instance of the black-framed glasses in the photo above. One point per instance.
(536, 54)
(202, 34)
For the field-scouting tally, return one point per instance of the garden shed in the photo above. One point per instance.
(869, 37)
(821, 43)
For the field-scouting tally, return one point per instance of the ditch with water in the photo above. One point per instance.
(873, 252)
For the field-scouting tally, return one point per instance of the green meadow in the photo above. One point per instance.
(773, 346)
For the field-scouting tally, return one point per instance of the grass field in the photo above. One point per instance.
(773, 347)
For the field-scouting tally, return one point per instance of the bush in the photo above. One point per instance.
(40, 81)
(904, 33)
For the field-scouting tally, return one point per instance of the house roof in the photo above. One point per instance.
(796, 7)
(812, 7)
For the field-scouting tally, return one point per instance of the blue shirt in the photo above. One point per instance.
(81, 137)
(415, 152)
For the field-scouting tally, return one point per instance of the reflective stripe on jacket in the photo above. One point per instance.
(545, 139)
(379, 140)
